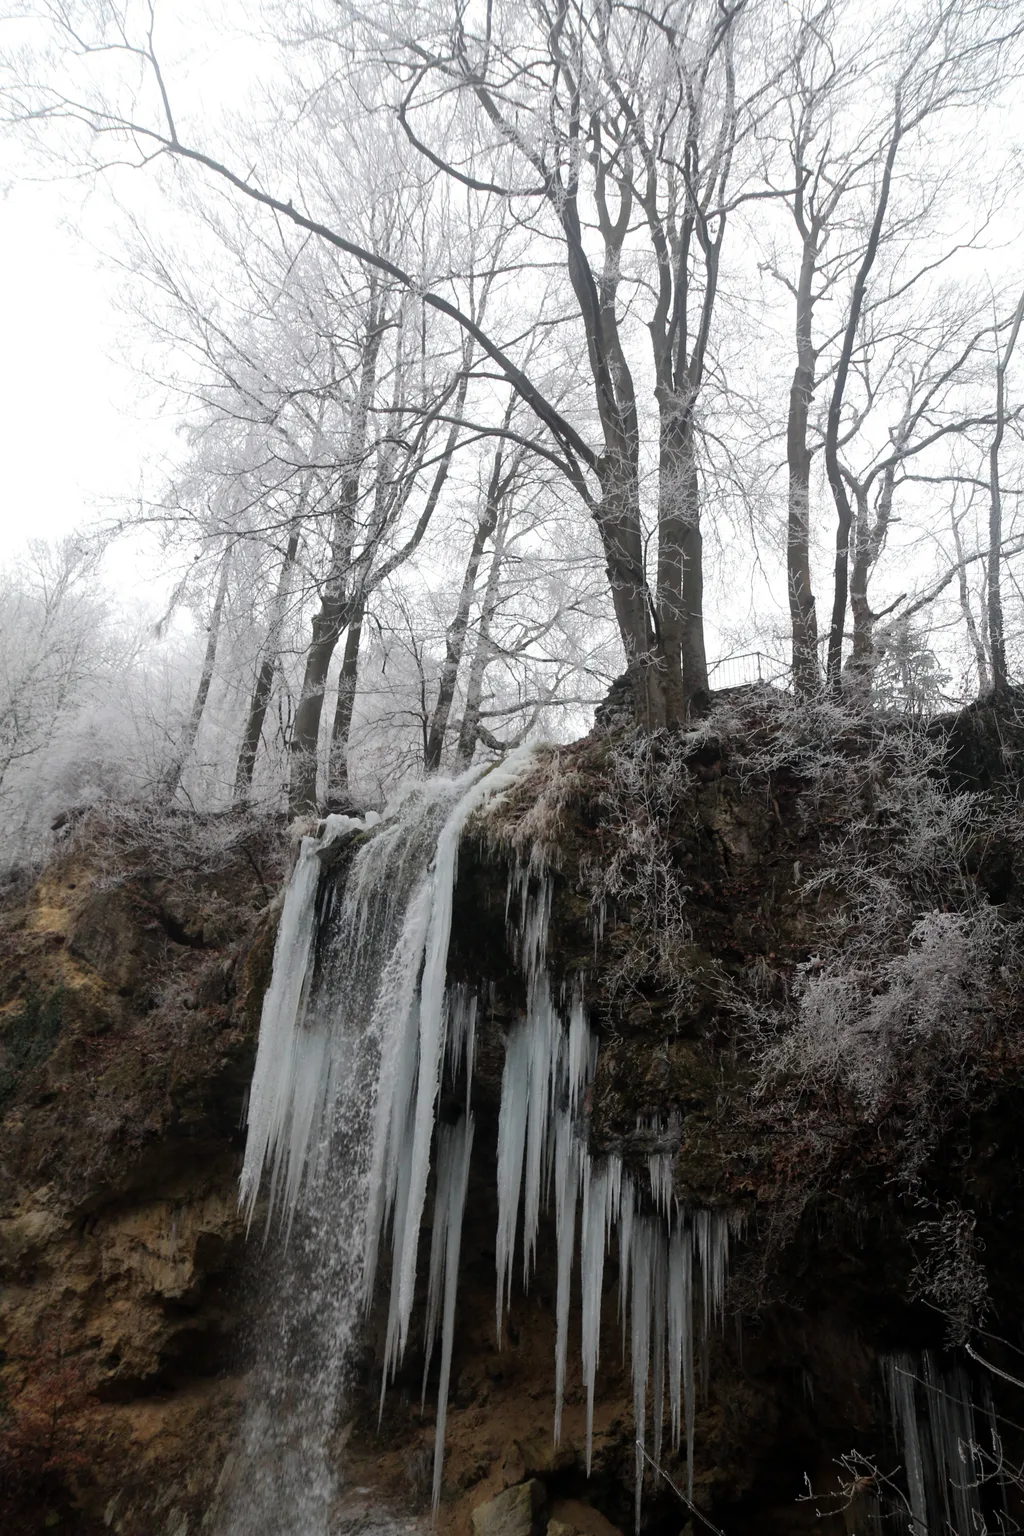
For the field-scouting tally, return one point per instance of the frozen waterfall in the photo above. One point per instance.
(360, 1029)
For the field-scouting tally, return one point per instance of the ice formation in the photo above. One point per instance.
(935, 1421)
(550, 1062)
(360, 1028)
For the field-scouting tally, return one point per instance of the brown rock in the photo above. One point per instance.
(516, 1512)
(105, 934)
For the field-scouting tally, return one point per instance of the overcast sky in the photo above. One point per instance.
(70, 437)
(76, 430)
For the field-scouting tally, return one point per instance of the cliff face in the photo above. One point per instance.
(132, 974)
(713, 896)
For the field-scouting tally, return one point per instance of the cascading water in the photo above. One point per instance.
(360, 1027)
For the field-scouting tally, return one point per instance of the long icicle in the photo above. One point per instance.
(567, 1181)
(462, 1147)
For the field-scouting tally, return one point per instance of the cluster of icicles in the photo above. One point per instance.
(935, 1421)
(390, 936)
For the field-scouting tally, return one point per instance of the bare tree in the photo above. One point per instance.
(171, 778)
(501, 477)
(582, 155)
(51, 645)
(996, 632)
(264, 684)
(946, 60)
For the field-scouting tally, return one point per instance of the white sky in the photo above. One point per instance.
(77, 431)
(70, 437)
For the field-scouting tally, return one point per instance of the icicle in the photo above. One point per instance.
(711, 1231)
(396, 1020)
(431, 1041)
(542, 1033)
(474, 789)
(534, 921)
(280, 1118)
(938, 1446)
(596, 1191)
(953, 1437)
(660, 1169)
(461, 1146)
(511, 1145)
(640, 1338)
(626, 1223)
(448, 1145)
(659, 1299)
(582, 1054)
(461, 1034)
(392, 1341)
(679, 1307)
(567, 1182)
(899, 1373)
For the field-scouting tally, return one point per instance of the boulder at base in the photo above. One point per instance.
(519, 1511)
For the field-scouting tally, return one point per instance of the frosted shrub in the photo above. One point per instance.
(872, 1027)
(533, 818)
(908, 969)
(636, 876)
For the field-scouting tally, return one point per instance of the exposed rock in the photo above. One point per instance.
(121, 1244)
(575, 1515)
(519, 1511)
(122, 1252)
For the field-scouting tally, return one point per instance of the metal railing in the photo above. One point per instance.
(746, 670)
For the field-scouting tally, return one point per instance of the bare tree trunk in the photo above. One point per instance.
(680, 568)
(803, 618)
(172, 777)
(456, 636)
(469, 730)
(977, 644)
(833, 468)
(618, 520)
(261, 693)
(996, 632)
(328, 623)
(338, 780)
(335, 608)
(870, 536)
(693, 656)
(860, 667)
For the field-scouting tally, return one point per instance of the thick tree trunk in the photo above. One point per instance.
(694, 660)
(263, 689)
(333, 615)
(456, 636)
(172, 777)
(680, 569)
(338, 778)
(618, 520)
